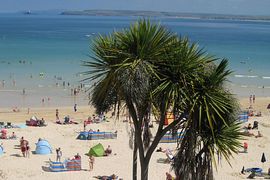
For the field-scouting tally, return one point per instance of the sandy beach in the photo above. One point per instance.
(64, 136)
(14, 166)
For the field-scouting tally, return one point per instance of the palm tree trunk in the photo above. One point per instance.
(144, 169)
(134, 167)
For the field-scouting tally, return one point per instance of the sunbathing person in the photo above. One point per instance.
(112, 177)
(169, 176)
(247, 133)
(249, 127)
(159, 149)
(259, 135)
(108, 151)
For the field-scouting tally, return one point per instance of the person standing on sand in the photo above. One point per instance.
(253, 98)
(91, 162)
(75, 107)
(27, 150)
(250, 99)
(23, 91)
(57, 114)
(84, 126)
(58, 154)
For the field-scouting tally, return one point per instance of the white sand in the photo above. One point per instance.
(64, 136)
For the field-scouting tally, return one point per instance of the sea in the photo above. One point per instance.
(41, 54)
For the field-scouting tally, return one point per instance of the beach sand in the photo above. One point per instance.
(13, 166)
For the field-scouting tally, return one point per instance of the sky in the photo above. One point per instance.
(245, 7)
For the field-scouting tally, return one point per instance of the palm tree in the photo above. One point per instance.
(147, 66)
(123, 67)
(212, 126)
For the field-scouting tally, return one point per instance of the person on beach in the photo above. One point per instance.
(23, 91)
(77, 156)
(91, 162)
(27, 150)
(245, 147)
(249, 127)
(75, 107)
(259, 135)
(84, 125)
(169, 176)
(58, 154)
(57, 114)
(13, 136)
(253, 99)
(108, 151)
(250, 99)
(23, 145)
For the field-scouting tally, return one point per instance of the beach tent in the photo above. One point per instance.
(83, 135)
(97, 150)
(1, 150)
(56, 166)
(43, 147)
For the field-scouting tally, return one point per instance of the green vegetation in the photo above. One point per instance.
(147, 67)
(164, 14)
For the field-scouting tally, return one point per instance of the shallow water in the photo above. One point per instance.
(55, 46)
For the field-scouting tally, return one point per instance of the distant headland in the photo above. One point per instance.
(164, 14)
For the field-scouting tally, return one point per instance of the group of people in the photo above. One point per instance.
(5, 136)
(252, 99)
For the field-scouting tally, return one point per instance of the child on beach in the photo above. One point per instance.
(91, 162)
(58, 154)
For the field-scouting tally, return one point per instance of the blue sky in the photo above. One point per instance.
(248, 7)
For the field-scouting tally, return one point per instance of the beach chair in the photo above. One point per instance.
(2, 124)
(66, 121)
(255, 125)
(8, 125)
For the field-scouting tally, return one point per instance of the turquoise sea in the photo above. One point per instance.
(55, 45)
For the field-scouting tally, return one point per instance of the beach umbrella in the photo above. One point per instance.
(243, 170)
(263, 159)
